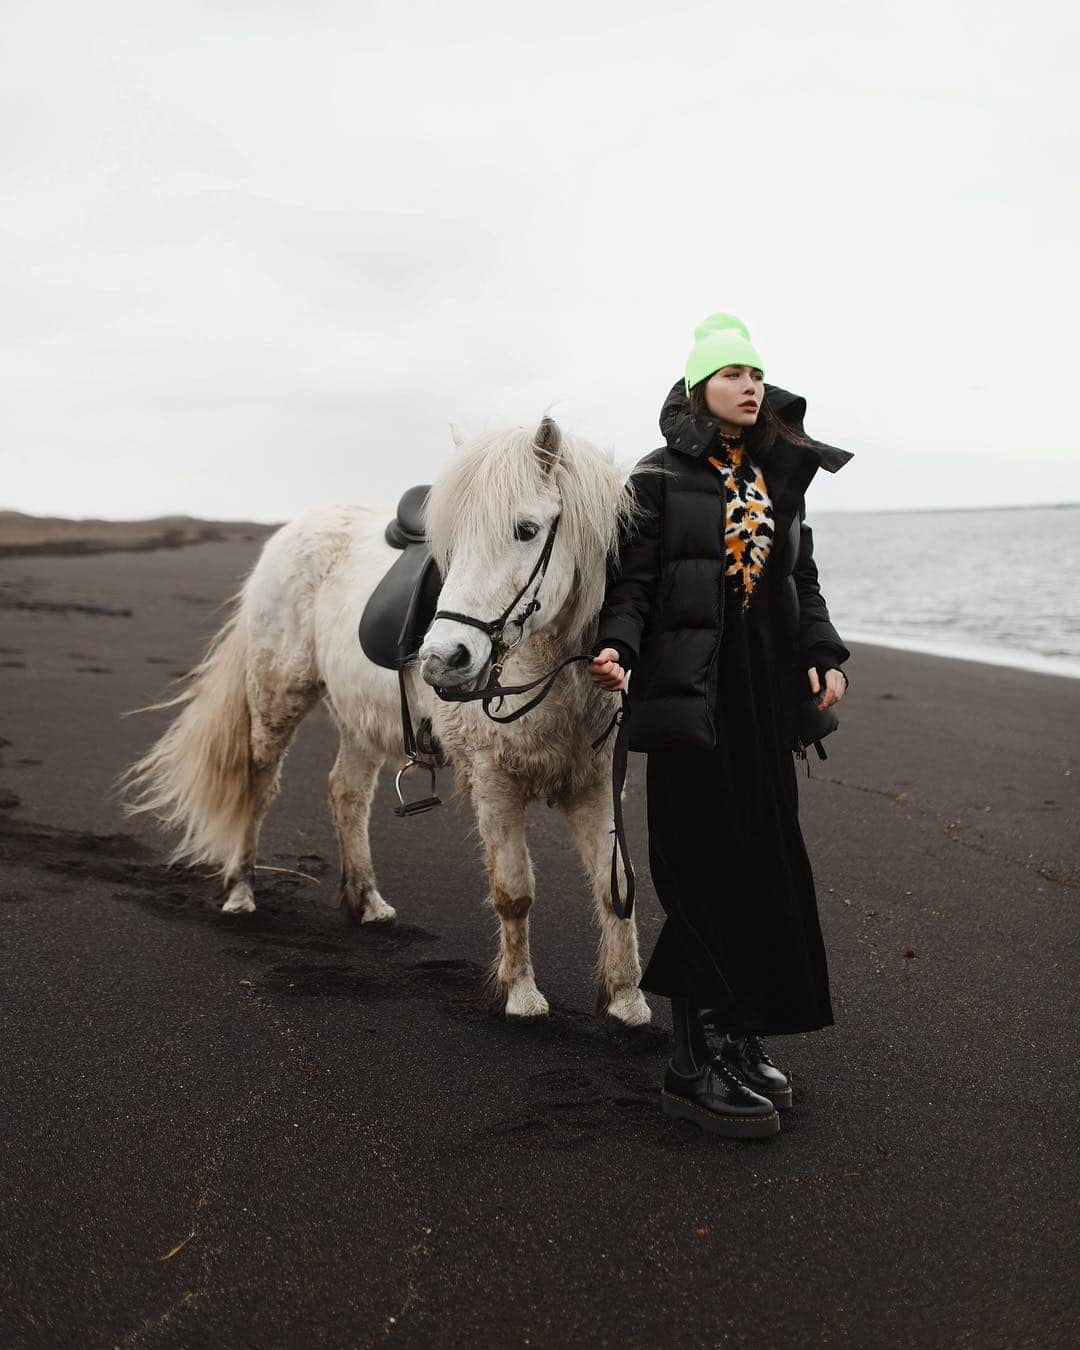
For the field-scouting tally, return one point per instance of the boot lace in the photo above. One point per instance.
(732, 1075)
(753, 1046)
(753, 1043)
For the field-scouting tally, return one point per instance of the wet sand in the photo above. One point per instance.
(274, 1129)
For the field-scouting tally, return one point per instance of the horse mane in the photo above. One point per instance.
(499, 475)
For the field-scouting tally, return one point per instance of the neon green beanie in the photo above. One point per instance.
(720, 340)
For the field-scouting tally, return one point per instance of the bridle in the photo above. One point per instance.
(500, 650)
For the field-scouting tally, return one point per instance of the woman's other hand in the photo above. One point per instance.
(835, 686)
(606, 671)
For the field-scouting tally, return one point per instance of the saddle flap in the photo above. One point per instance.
(400, 608)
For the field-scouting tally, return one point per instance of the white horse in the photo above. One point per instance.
(292, 638)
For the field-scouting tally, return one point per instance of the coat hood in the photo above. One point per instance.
(682, 433)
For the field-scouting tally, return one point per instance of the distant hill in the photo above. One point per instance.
(22, 535)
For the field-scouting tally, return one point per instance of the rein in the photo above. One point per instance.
(500, 649)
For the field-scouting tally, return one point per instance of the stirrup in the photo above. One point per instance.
(405, 808)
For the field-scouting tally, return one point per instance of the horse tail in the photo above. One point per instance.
(198, 776)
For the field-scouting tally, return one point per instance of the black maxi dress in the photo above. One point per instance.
(726, 850)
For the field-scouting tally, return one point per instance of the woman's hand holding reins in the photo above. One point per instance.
(608, 674)
(835, 686)
(606, 671)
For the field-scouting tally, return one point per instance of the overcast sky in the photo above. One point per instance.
(259, 256)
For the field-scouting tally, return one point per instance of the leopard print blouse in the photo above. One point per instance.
(748, 531)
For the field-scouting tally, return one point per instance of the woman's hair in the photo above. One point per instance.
(758, 439)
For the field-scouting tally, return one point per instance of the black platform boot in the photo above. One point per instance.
(707, 1090)
(750, 1060)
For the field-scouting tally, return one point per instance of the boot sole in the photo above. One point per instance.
(733, 1127)
(781, 1100)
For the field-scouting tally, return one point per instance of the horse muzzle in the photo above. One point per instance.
(441, 673)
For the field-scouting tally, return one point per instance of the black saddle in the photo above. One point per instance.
(400, 608)
(392, 627)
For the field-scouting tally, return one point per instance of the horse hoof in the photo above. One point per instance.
(378, 911)
(630, 1008)
(364, 904)
(528, 1002)
(240, 900)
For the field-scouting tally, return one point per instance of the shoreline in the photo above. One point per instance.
(1065, 667)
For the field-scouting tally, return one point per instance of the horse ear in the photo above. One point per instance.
(459, 436)
(548, 441)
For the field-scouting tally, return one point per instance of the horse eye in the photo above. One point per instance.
(526, 529)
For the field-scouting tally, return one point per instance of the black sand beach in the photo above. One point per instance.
(277, 1130)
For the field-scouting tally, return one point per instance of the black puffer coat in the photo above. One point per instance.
(663, 609)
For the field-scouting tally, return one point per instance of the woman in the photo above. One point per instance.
(714, 604)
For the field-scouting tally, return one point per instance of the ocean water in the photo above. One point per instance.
(997, 585)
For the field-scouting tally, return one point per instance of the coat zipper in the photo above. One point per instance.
(710, 690)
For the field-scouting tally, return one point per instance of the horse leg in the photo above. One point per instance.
(618, 967)
(352, 787)
(500, 812)
(276, 711)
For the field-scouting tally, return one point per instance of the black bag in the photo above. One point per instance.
(813, 723)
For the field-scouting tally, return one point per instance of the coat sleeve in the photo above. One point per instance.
(632, 576)
(819, 642)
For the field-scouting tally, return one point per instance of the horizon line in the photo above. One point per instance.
(248, 520)
(927, 510)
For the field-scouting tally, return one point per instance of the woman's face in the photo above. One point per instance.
(734, 394)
